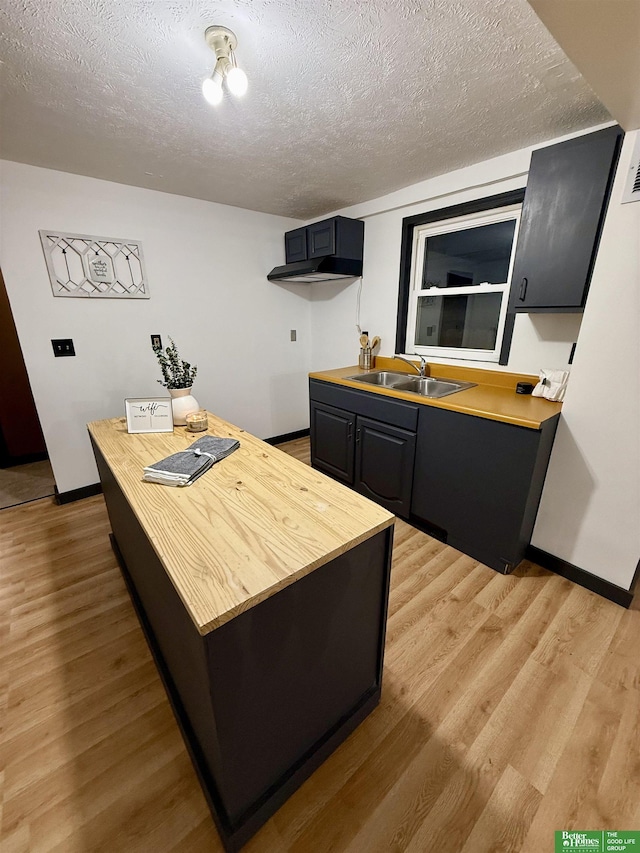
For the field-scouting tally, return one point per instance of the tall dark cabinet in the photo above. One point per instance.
(564, 207)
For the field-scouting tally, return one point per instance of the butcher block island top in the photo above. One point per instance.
(256, 522)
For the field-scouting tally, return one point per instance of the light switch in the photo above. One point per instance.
(294, 335)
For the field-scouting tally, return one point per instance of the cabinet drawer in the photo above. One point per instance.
(366, 403)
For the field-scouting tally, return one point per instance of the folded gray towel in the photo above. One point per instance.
(184, 467)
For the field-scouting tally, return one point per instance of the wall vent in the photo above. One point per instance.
(632, 182)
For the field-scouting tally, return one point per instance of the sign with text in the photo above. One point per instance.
(101, 269)
(149, 414)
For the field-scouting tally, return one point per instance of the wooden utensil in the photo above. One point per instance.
(364, 340)
(375, 342)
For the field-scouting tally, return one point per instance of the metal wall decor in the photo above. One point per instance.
(96, 267)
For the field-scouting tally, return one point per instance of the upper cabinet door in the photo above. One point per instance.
(321, 239)
(295, 245)
(564, 207)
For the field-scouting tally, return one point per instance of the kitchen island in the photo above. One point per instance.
(262, 590)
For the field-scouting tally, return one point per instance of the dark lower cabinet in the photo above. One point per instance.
(333, 441)
(471, 481)
(479, 483)
(373, 456)
(384, 464)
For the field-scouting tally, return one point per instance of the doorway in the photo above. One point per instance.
(25, 470)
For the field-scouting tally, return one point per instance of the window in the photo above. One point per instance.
(457, 272)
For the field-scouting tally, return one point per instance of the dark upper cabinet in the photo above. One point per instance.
(295, 245)
(321, 239)
(565, 202)
(339, 236)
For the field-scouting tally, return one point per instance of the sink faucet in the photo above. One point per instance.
(422, 370)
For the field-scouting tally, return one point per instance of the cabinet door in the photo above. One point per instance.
(384, 464)
(564, 206)
(295, 245)
(321, 238)
(333, 441)
(480, 482)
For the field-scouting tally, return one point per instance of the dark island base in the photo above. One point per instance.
(265, 698)
(234, 837)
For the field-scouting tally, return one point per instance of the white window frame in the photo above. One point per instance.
(421, 234)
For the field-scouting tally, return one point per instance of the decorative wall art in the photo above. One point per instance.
(81, 265)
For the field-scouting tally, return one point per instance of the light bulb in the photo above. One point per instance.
(237, 81)
(212, 89)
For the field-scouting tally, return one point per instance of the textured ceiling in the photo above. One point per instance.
(348, 100)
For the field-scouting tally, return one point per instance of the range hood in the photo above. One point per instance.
(327, 268)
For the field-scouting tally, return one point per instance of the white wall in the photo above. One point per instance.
(538, 341)
(590, 509)
(206, 264)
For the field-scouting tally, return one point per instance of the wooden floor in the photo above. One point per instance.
(511, 708)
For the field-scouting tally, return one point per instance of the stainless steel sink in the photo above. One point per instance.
(382, 377)
(430, 387)
(424, 386)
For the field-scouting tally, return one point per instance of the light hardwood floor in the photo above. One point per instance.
(510, 708)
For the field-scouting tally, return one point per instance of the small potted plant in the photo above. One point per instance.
(177, 378)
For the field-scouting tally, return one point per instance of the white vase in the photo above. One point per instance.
(182, 402)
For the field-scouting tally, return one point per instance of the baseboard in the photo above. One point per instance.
(602, 587)
(7, 461)
(77, 494)
(288, 436)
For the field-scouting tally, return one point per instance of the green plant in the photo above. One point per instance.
(175, 372)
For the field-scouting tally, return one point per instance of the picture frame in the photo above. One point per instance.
(82, 265)
(148, 414)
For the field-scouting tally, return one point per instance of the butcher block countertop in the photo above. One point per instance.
(256, 522)
(494, 396)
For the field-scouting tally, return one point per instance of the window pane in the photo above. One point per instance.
(471, 256)
(469, 321)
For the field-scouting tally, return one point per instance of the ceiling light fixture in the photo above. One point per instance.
(223, 43)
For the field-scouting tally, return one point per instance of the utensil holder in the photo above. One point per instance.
(364, 359)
